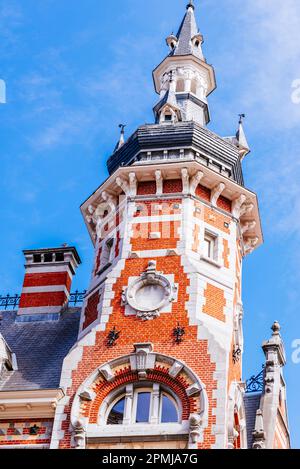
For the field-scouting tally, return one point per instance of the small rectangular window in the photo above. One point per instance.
(209, 246)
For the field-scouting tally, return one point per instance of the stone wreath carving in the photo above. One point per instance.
(149, 294)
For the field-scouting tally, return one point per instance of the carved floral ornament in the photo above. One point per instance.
(150, 293)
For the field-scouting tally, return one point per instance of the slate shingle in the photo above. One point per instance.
(40, 348)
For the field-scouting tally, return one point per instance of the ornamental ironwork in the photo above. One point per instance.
(77, 298)
(113, 337)
(236, 355)
(256, 383)
(9, 302)
(178, 333)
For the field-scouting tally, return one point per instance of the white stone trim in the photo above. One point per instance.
(46, 289)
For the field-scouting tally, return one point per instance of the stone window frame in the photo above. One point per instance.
(216, 259)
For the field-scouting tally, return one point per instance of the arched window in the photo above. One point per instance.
(138, 404)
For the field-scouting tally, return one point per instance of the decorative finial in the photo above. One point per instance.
(121, 139)
(190, 5)
(242, 117)
(276, 328)
(122, 127)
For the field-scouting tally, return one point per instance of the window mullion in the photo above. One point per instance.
(155, 398)
(128, 405)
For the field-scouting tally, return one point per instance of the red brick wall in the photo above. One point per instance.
(172, 186)
(29, 300)
(17, 432)
(146, 188)
(47, 279)
(215, 302)
(91, 310)
(169, 236)
(192, 351)
(203, 192)
(224, 204)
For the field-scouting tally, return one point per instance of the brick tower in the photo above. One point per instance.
(158, 360)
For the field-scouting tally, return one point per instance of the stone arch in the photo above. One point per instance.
(143, 365)
(237, 431)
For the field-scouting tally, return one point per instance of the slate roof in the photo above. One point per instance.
(187, 30)
(252, 403)
(40, 348)
(188, 134)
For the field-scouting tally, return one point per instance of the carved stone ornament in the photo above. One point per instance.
(149, 294)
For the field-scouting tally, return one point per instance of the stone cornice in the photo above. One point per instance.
(244, 202)
(29, 404)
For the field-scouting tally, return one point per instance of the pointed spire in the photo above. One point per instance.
(241, 138)
(122, 137)
(188, 39)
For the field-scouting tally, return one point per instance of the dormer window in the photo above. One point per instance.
(168, 117)
(172, 41)
(197, 43)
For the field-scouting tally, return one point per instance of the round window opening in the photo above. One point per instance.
(150, 297)
(150, 293)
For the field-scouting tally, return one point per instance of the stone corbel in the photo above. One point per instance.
(90, 215)
(195, 422)
(250, 244)
(124, 185)
(216, 192)
(237, 206)
(246, 209)
(79, 434)
(195, 181)
(185, 180)
(248, 226)
(159, 182)
(133, 184)
(110, 200)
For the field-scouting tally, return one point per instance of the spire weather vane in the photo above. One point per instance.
(242, 117)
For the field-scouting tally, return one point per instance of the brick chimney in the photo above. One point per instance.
(48, 280)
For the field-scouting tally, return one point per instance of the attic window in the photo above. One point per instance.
(172, 45)
(59, 257)
(197, 43)
(168, 117)
(37, 258)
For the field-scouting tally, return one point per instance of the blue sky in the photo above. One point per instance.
(75, 69)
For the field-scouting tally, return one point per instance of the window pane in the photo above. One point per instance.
(169, 412)
(143, 407)
(117, 413)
